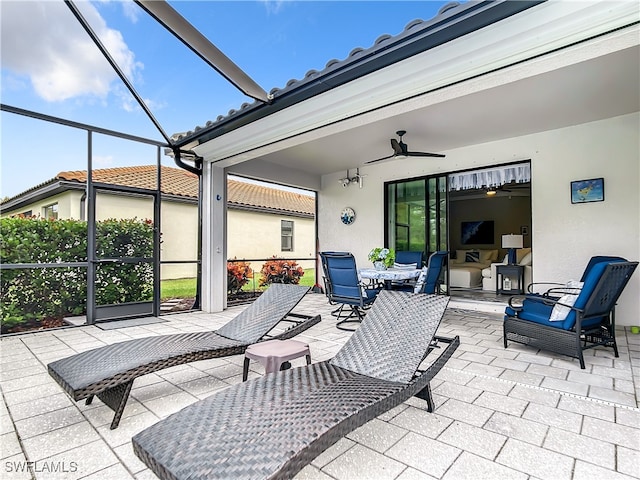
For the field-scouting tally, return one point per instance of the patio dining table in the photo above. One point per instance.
(389, 275)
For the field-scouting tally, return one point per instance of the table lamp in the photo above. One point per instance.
(512, 242)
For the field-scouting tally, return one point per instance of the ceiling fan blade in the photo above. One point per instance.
(380, 159)
(425, 154)
(164, 14)
(397, 147)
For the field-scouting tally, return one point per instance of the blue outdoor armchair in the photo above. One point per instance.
(343, 287)
(569, 320)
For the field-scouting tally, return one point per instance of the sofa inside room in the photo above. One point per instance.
(465, 269)
(476, 268)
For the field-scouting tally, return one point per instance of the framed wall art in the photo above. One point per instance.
(585, 191)
(477, 232)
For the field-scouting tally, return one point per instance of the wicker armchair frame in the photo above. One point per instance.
(601, 305)
(109, 372)
(275, 425)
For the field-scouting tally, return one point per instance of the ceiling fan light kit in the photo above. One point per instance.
(401, 150)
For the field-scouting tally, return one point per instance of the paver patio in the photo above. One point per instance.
(514, 413)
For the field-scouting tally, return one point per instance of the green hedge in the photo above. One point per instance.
(34, 294)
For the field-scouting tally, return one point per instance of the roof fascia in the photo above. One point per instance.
(40, 193)
(452, 24)
(276, 211)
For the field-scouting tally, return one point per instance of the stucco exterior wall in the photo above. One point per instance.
(254, 235)
(68, 205)
(179, 226)
(563, 235)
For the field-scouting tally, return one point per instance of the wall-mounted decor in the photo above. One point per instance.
(480, 232)
(348, 215)
(584, 191)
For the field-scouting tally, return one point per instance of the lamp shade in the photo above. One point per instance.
(511, 241)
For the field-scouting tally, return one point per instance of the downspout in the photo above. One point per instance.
(196, 170)
(177, 158)
(83, 198)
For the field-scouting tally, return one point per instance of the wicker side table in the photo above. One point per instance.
(274, 354)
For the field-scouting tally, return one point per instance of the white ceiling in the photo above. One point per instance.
(602, 87)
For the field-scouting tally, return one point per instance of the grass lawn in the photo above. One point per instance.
(186, 287)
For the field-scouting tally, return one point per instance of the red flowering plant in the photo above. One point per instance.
(238, 274)
(279, 270)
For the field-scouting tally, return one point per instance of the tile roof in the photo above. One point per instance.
(179, 182)
(174, 181)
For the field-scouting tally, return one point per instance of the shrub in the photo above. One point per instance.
(279, 270)
(238, 274)
(34, 294)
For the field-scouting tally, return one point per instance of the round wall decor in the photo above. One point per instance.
(348, 215)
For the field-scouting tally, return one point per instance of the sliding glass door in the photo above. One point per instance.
(416, 214)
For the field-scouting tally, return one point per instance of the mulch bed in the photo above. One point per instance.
(34, 325)
(242, 298)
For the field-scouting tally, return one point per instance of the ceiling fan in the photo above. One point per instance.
(401, 150)
(507, 188)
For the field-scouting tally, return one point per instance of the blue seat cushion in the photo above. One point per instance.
(538, 312)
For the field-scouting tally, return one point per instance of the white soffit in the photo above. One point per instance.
(537, 31)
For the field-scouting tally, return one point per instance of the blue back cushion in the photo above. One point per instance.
(343, 276)
(598, 259)
(436, 261)
(407, 257)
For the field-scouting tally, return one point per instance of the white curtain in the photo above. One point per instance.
(490, 177)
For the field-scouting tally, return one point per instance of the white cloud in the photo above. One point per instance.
(131, 11)
(102, 161)
(273, 6)
(44, 42)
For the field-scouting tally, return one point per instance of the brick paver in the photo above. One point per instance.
(515, 413)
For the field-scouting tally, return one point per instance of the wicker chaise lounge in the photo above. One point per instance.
(273, 426)
(108, 372)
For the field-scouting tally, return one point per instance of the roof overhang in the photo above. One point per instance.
(41, 192)
(448, 25)
(551, 65)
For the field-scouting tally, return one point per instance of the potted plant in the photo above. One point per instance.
(382, 258)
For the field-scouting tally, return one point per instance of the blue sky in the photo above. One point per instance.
(49, 65)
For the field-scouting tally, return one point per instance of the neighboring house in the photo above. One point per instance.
(262, 221)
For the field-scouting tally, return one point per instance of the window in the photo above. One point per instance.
(50, 211)
(286, 234)
(28, 213)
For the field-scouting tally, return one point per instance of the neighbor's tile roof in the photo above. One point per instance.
(176, 181)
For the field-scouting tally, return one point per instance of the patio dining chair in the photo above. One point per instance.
(273, 426)
(406, 259)
(429, 279)
(571, 319)
(108, 372)
(344, 288)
